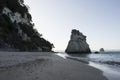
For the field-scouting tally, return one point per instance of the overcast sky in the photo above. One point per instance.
(99, 20)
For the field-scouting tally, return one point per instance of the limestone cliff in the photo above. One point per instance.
(17, 30)
(77, 43)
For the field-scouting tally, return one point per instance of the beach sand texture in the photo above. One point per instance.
(50, 67)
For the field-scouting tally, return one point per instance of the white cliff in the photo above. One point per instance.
(77, 43)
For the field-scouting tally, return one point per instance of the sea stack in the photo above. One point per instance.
(102, 50)
(77, 43)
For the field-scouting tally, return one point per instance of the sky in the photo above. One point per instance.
(99, 20)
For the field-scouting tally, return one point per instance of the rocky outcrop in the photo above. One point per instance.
(102, 50)
(17, 30)
(77, 43)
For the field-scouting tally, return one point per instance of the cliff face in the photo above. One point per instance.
(77, 43)
(17, 30)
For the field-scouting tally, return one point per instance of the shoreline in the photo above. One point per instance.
(109, 71)
(49, 66)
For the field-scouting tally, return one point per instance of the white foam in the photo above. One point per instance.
(63, 55)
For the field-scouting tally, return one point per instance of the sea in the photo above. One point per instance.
(108, 62)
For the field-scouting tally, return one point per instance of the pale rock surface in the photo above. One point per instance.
(77, 43)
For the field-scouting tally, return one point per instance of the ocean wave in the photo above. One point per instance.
(111, 63)
(107, 62)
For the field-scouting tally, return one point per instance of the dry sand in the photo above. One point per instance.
(51, 67)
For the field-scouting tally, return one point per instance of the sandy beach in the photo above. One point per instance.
(46, 66)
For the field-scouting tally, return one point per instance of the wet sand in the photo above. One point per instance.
(50, 67)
